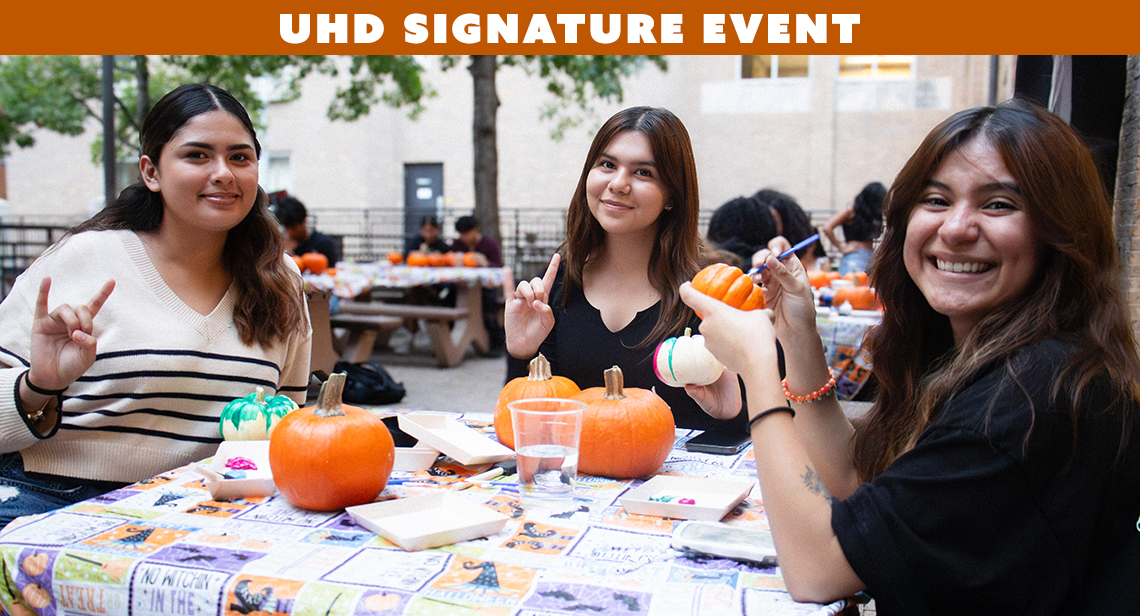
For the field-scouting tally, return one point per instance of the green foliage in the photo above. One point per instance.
(49, 92)
(62, 93)
(574, 81)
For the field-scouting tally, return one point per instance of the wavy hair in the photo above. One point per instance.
(675, 256)
(1076, 295)
(268, 306)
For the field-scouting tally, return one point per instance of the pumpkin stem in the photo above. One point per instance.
(260, 399)
(540, 369)
(615, 383)
(328, 400)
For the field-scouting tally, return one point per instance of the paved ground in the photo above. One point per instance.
(471, 387)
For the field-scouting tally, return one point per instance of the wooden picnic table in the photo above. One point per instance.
(452, 329)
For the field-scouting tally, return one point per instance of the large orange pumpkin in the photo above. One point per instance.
(539, 383)
(626, 432)
(331, 455)
(730, 285)
(315, 262)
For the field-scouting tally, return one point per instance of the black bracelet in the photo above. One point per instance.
(40, 390)
(775, 409)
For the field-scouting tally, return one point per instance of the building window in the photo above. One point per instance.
(767, 67)
(876, 67)
(277, 172)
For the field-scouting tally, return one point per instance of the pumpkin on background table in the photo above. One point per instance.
(315, 262)
(730, 285)
(300, 263)
(684, 360)
(626, 432)
(822, 278)
(860, 298)
(254, 417)
(395, 258)
(538, 383)
(331, 455)
(470, 259)
(417, 259)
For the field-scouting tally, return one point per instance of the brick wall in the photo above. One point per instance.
(1128, 191)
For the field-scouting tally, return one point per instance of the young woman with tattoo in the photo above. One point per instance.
(996, 472)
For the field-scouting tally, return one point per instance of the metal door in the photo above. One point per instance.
(423, 195)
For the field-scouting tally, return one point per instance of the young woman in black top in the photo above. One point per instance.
(610, 295)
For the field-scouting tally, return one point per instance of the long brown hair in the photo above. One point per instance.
(1076, 295)
(268, 306)
(675, 254)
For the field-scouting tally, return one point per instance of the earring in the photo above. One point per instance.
(669, 207)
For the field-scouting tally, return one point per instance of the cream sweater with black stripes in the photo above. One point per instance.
(162, 375)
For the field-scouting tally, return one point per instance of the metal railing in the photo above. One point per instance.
(20, 244)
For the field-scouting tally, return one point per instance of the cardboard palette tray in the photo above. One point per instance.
(686, 498)
(439, 517)
(252, 483)
(464, 445)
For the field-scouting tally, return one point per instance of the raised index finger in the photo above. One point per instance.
(41, 309)
(97, 301)
(551, 272)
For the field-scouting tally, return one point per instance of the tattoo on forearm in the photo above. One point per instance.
(814, 483)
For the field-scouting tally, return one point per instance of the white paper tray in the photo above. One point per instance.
(429, 520)
(713, 498)
(418, 458)
(464, 445)
(256, 482)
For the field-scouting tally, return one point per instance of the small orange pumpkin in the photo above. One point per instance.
(859, 278)
(437, 259)
(417, 259)
(315, 262)
(300, 262)
(860, 298)
(821, 278)
(395, 258)
(626, 432)
(470, 259)
(730, 285)
(539, 383)
(331, 455)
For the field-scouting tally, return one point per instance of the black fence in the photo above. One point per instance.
(529, 236)
(20, 244)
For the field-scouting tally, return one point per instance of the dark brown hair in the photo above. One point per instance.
(1076, 295)
(268, 306)
(675, 254)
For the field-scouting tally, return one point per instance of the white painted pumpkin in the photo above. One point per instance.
(684, 360)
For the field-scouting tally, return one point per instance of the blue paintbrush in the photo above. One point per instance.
(787, 253)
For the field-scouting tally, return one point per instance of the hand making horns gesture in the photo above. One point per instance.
(63, 344)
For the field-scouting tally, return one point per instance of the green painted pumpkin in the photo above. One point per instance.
(253, 417)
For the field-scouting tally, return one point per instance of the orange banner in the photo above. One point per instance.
(579, 27)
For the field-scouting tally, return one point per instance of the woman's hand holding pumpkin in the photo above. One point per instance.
(527, 316)
(720, 399)
(63, 345)
(741, 339)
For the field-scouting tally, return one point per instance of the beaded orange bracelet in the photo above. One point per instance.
(813, 396)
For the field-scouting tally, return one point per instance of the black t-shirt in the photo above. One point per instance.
(979, 519)
(319, 242)
(581, 348)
